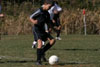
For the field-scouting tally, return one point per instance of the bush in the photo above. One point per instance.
(16, 20)
(72, 21)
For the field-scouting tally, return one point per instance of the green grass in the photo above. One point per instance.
(72, 50)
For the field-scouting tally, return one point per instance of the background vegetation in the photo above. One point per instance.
(17, 13)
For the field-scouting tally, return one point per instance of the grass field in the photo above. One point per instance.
(73, 51)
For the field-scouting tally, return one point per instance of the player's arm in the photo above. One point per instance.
(53, 20)
(34, 16)
(33, 21)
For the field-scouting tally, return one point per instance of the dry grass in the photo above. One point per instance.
(72, 21)
(17, 22)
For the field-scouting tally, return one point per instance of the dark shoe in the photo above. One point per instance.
(38, 63)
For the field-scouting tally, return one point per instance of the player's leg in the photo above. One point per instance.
(39, 51)
(58, 29)
(35, 38)
(48, 46)
(35, 42)
(39, 46)
(58, 33)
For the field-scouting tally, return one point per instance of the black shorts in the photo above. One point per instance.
(41, 35)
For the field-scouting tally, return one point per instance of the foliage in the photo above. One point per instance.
(90, 4)
(72, 21)
(16, 20)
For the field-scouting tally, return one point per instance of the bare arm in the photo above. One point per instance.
(33, 21)
(34, 16)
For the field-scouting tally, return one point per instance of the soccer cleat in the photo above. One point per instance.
(34, 44)
(38, 63)
(58, 38)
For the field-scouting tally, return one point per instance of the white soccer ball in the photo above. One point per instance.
(53, 60)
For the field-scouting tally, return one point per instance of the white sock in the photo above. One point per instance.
(43, 42)
(35, 42)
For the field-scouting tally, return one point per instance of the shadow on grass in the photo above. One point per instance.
(70, 63)
(77, 49)
(21, 61)
(73, 63)
(31, 61)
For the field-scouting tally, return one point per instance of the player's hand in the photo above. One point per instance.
(53, 21)
(59, 28)
(35, 21)
(47, 31)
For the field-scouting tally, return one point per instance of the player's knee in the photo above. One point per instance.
(39, 44)
(52, 42)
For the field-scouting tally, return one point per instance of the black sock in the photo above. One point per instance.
(39, 54)
(58, 33)
(48, 46)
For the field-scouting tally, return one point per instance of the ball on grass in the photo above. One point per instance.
(53, 60)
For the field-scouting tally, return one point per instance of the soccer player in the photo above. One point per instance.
(54, 14)
(56, 26)
(39, 18)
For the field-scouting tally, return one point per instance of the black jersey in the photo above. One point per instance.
(42, 16)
